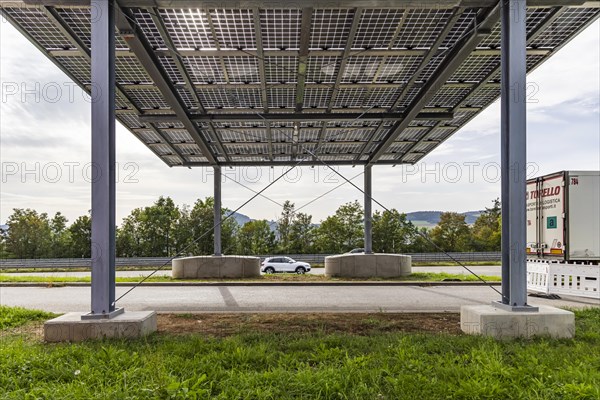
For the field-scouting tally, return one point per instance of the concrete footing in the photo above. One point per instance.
(488, 320)
(368, 265)
(202, 267)
(71, 328)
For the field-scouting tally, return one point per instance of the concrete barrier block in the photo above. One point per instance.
(177, 268)
(332, 266)
(215, 267)
(368, 265)
(488, 320)
(71, 328)
(251, 267)
(231, 267)
(347, 265)
(365, 265)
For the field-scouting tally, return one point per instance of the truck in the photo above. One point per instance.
(563, 217)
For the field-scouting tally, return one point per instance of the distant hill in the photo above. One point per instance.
(241, 219)
(427, 219)
(430, 219)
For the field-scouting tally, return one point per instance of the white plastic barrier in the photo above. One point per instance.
(567, 279)
(537, 277)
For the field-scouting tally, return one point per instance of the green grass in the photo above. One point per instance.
(415, 277)
(309, 365)
(451, 263)
(12, 317)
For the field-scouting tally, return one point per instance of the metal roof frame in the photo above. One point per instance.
(357, 82)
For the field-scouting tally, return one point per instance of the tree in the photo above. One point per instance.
(452, 232)
(3, 248)
(284, 226)
(420, 241)
(256, 238)
(391, 232)
(201, 228)
(301, 234)
(80, 233)
(486, 229)
(343, 231)
(182, 229)
(350, 216)
(156, 226)
(29, 234)
(129, 235)
(229, 230)
(60, 237)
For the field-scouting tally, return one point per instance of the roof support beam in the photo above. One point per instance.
(380, 128)
(513, 157)
(432, 51)
(189, 85)
(303, 56)
(263, 78)
(460, 52)
(340, 73)
(351, 116)
(103, 159)
(148, 59)
(374, 80)
(462, 105)
(383, 61)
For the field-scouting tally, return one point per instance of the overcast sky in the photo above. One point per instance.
(45, 147)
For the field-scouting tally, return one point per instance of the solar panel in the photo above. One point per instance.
(229, 62)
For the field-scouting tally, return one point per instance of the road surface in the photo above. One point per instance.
(306, 298)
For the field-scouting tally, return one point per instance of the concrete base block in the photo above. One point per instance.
(71, 328)
(368, 265)
(488, 320)
(207, 267)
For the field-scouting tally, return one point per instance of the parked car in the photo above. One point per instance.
(283, 264)
(356, 251)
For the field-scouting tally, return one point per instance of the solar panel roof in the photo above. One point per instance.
(273, 82)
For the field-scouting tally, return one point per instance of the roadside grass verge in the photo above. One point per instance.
(448, 263)
(415, 277)
(451, 263)
(307, 364)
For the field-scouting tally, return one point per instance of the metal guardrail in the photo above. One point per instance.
(10, 263)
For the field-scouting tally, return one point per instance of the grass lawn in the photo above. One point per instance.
(283, 356)
(415, 277)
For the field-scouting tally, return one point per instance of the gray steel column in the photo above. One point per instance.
(217, 194)
(103, 159)
(513, 153)
(368, 211)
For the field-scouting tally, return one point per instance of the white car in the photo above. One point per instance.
(283, 264)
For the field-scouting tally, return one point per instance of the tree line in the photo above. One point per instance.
(165, 229)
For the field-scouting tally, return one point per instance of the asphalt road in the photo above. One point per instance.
(311, 298)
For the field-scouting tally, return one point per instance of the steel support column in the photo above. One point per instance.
(513, 155)
(368, 211)
(103, 160)
(217, 194)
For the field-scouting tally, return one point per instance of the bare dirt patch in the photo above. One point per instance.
(32, 330)
(222, 325)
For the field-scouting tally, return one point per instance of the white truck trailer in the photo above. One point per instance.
(563, 216)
